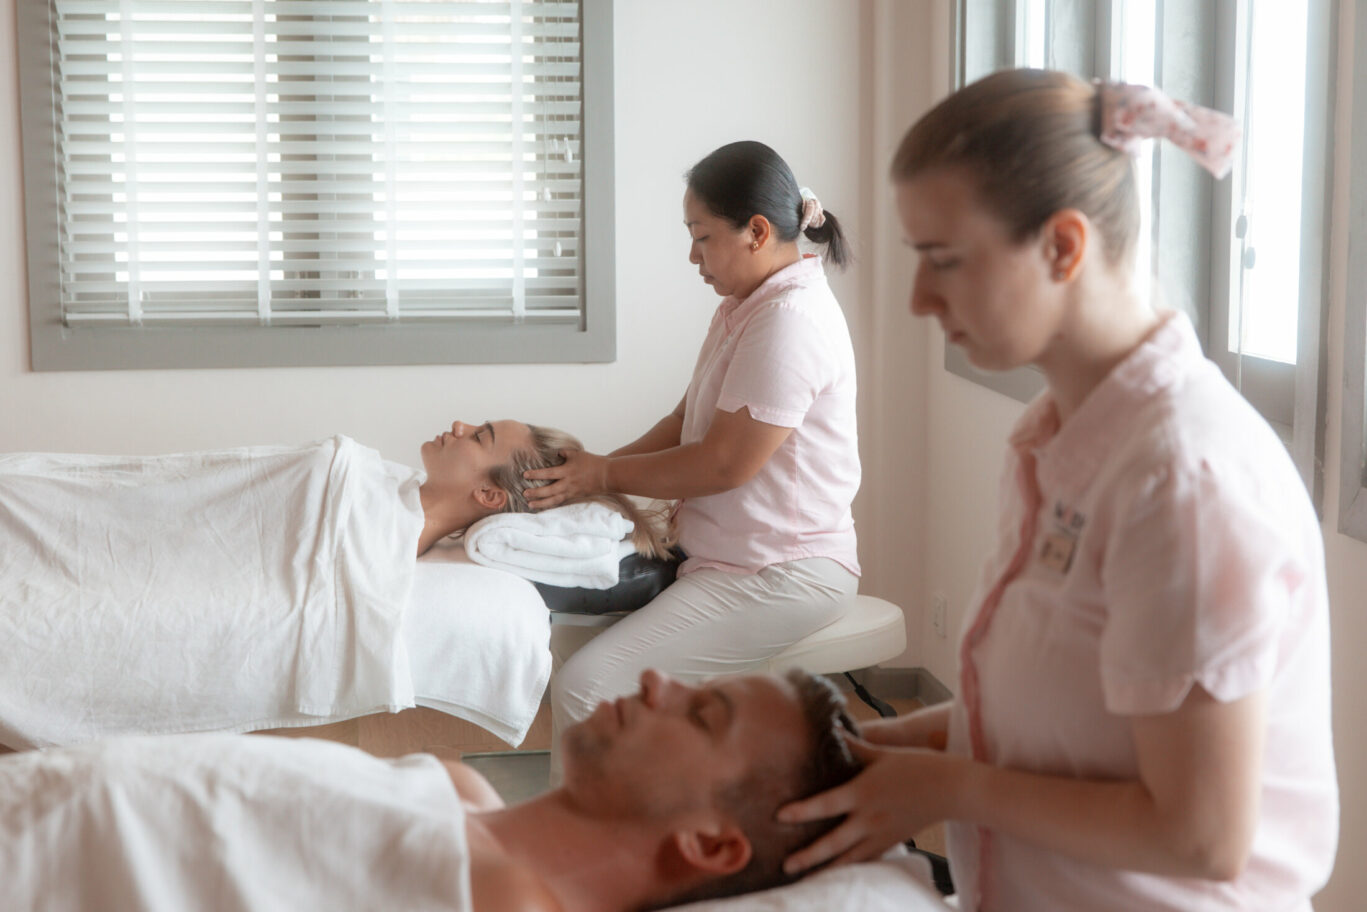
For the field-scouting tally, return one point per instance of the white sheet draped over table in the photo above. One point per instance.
(231, 824)
(229, 590)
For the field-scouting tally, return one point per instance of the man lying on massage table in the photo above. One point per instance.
(669, 796)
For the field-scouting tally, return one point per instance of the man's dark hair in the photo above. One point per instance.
(755, 798)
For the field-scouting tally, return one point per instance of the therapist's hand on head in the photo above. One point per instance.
(580, 475)
(901, 791)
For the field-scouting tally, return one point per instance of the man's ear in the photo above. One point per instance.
(713, 849)
(1066, 235)
(490, 496)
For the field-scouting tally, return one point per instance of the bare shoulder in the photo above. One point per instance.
(474, 790)
(498, 882)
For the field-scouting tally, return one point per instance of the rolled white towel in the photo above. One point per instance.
(579, 545)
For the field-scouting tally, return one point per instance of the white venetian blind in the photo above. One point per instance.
(318, 161)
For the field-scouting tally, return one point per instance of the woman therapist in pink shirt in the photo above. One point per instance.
(1141, 719)
(761, 452)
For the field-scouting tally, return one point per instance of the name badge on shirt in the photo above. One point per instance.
(1056, 551)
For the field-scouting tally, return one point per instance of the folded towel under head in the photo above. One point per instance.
(577, 545)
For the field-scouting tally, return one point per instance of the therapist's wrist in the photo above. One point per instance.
(905, 731)
(970, 788)
(606, 476)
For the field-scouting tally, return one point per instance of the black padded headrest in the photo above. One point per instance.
(640, 580)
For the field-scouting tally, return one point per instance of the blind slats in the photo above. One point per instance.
(470, 112)
(175, 10)
(277, 160)
(303, 73)
(361, 28)
(85, 136)
(312, 45)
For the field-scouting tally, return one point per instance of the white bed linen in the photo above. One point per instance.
(899, 883)
(247, 588)
(478, 642)
(578, 546)
(228, 823)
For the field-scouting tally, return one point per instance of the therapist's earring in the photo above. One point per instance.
(754, 245)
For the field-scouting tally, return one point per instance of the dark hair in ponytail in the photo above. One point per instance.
(745, 179)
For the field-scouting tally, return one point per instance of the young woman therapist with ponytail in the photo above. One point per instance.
(1141, 719)
(762, 451)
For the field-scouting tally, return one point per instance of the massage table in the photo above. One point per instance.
(476, 660)
(245, 589)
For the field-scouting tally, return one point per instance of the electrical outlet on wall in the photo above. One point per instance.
(939, 614)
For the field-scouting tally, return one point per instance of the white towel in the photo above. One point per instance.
(479, 643)
(228, 822)
(579, 545)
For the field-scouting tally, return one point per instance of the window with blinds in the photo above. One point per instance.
(391, 180)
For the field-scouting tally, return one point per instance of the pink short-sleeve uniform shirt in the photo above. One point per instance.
(785, 354)
(1160, 538)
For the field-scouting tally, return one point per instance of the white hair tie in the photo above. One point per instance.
(812, 213)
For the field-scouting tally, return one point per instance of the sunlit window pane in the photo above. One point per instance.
(1031, 31)
(1274, 135)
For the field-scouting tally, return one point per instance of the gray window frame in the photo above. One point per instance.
(1353, 448)
(55, 347)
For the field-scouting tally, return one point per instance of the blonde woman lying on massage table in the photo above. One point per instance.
(233, 589)
(473, 471)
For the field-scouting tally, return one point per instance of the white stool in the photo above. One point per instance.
(871, 631)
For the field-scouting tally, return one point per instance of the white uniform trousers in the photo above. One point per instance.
(706, 624)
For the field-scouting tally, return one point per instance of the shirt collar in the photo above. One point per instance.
(1069, 455)
(794, 275)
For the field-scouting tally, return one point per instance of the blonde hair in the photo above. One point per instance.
(1030, 139)
(650, 536)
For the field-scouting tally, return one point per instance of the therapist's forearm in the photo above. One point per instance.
(1111, 824)
(665, 434)
(681, 471)
(928, 727)
(1192, 811)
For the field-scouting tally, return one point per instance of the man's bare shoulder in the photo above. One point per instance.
(474, 790)
(499, 882)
